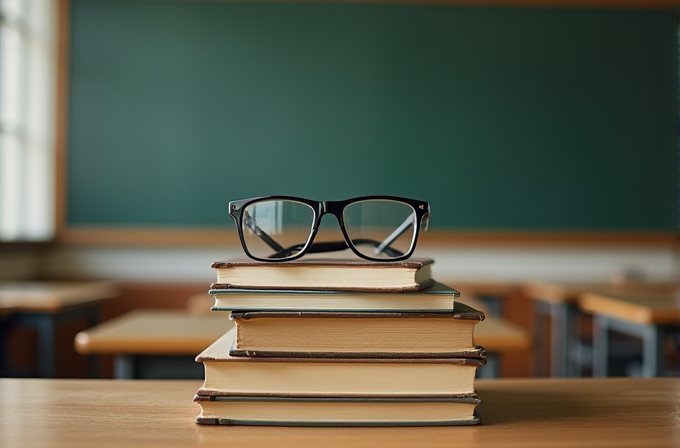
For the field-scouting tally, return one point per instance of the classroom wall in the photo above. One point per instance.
(524, 177)
(464, 263)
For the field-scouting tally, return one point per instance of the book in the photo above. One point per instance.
(437, 297)
(325, 274)
(304, 376)
(329, 411)
(357, 334)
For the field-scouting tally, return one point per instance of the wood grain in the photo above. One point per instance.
(179, 332)
(498, 335)
(546, 413)
(52, 296)
(642, 309)
(154, 332)
(565, 292)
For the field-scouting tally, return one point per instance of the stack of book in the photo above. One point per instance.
(324, 342)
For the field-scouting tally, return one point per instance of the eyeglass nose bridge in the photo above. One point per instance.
(331, 208)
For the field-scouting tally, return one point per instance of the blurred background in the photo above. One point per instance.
(545, 138)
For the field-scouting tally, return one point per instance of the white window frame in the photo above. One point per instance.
(28, 45)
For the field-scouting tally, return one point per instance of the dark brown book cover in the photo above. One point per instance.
(461, 311)
(477, 353)
(473, 361)
(411, 263)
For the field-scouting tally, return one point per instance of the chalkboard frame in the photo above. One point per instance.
(208, 236)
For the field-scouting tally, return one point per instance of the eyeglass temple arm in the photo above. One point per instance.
(330, 246)
(248, 221)
(396, 234)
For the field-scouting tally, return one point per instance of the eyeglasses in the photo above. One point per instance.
(282, 228)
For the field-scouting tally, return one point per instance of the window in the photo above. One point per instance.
(27, 92)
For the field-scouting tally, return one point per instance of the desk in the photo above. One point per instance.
(152, 343)
(545, 413)
(499, 337)
(559, 301)
(489, 292)
(43, 305)
(648, 317)
(140, 339)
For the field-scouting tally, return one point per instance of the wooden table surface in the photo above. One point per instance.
(180, 332)
(499, 335)
(569, 292)
(44, 306)
(154, 332)
(51, 297)
(652, 308)
(584, 413)
(478, 288)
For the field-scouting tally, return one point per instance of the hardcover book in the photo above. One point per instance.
(357, 334)
(325, 274)
(437, 297)
(329, 411)
(305, 376)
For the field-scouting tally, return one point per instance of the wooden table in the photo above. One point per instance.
(526, 413)
(499, 337)
(140, 339)
(154, 343)
(559, 301)
(43, 306)
(647, 316)
(489, 292)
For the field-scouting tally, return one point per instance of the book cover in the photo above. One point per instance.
(311, 376)
(325, 274)
(438, 297)
(344, 334)
(333, 411)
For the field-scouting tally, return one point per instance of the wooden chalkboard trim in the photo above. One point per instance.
(546, 238)
(611, 4)
(225, 237)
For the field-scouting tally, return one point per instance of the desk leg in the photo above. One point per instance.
(572, 352)
(653, 354)
(46, 327)
(600, 346)
(652, 344)
(6, 323)
(124, 367)
(539, 338)
(559, 336)
(93, 361)
(564, 317)
(558, 340)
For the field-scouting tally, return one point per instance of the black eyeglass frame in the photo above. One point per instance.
(335, 208)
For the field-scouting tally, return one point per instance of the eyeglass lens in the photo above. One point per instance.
(281, 228)
(373, 225)
(270, 227)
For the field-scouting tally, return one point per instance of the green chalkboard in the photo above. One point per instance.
(502, 118)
